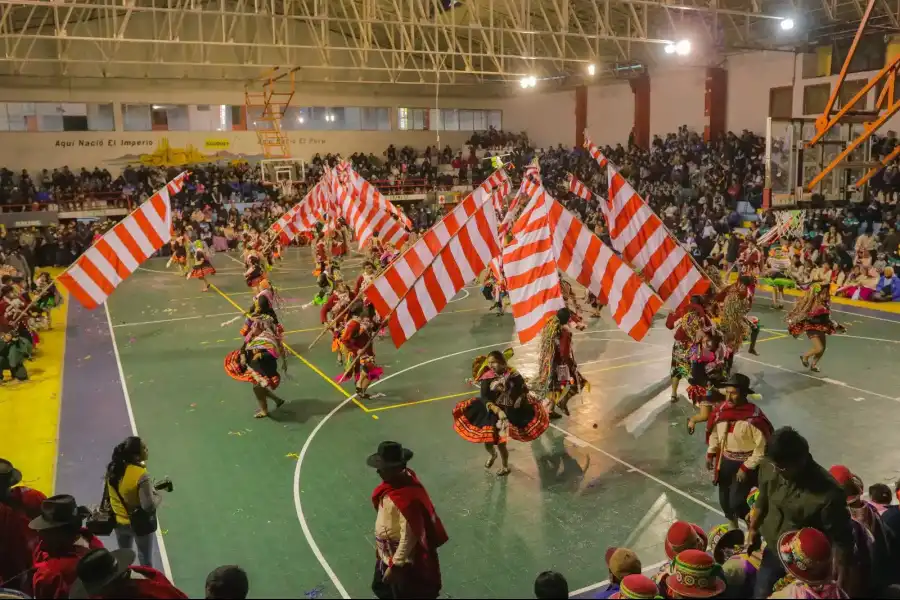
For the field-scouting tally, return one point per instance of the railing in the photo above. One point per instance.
(71, 203)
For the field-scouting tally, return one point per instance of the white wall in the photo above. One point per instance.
(750, 77)
(610, 113)
(676, 98)
(549, 118)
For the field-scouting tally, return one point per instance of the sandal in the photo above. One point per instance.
(279, 404)
(804, 361)
(814, 369)
(260, 415)
(674, 399)
(691, 426)
(504, 472)
(490, 462)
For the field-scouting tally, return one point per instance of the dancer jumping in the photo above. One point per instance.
(256, 362)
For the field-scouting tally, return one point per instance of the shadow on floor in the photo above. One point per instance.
(301, 410)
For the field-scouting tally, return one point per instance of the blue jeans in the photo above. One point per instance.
(770, 571)
(126, 540)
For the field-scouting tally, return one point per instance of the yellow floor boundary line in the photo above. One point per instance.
(473, 392)
(312, 367)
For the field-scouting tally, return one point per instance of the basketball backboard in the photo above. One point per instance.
(790, 165)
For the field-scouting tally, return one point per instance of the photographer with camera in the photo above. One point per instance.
(134, 498)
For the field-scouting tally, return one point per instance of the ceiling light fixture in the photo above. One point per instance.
(592, 69)
(787, 24)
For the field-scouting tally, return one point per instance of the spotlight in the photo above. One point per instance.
(528, 82)
(301, 119)
(591, 70)
(670, 48)
(683, 48)
(787, 24)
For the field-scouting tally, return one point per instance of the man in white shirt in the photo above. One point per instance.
(736, 433)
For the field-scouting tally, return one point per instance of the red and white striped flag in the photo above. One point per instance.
(420, 283)
(498, 185)
(303, 216)
(370, 194)
(642, 239)
(96, 273)
(594, 151)
(366, 214)
(552, 239)
(579, 189)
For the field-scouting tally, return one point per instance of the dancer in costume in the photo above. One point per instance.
(321, 253)
(710, 361)
(504, 409)
(202, 267)
(494, 289)
(48, 299)
(263, 307)
(335, 310)
(751, 260)
(689, 323)
(358, 337)
(594, 302)
(339, 243)
(375, 248)
(736, 324)
(572, 304)
(255, 275)
(558, 378)
(778, 267)
(256, 362)
(812, 315)
(365, 278)
(178, 246)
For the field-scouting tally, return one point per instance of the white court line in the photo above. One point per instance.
(635, 469)
(460, 299)
(600, 584)
(167, 568)
(824, 379)
(173, 319)
(298, 504)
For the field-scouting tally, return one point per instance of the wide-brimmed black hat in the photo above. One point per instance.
(389, 454)
(97, 569)
(9, 475)
(59, 511)
(739, 381)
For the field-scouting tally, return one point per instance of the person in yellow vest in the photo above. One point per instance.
(133, 498)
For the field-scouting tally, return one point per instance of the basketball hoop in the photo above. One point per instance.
(287, 187)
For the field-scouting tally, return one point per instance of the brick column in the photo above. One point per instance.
(640, 87)
(715, 102)
(580, 115)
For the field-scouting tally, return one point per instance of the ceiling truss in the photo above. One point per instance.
(383, 41)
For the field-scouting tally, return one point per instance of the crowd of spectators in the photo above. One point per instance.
(697, 187)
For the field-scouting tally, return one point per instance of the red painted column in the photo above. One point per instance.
(580, 115)
(715, 102)
(640, 87)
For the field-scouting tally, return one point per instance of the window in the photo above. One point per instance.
(210, 117)
(375, 119)
(848, 90)
(56, 116)
(136, 117)
(781, 102)
(170, 117)
(412, 118)
(815, 97)
(869, 55)
(455, 119)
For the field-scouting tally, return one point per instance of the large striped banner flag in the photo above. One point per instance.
(366, 211)
(643, 240)
(95, 274)
(303, 216)
(420, 283)
(551, 239)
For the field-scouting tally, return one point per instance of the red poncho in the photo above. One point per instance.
(409, 496)
(727, 412)
(55, 571)
(153, 586)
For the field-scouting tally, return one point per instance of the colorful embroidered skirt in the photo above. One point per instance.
(204, 269)
(263, 373)
(475, 423)
(810, 328)
(681, 360)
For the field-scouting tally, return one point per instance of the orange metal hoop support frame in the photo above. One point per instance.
(886, 107)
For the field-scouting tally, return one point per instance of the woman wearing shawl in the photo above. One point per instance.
(736, 436)
(558, 378)
(736, 324)
(256, 362)
(812, 315)
(357, 338)
(263, 307)
(504, 409)
(408, 531)
(336, 309)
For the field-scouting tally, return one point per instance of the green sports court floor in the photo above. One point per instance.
(289, 498)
